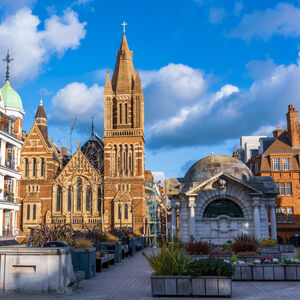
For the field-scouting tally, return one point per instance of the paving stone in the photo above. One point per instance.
(130, 280)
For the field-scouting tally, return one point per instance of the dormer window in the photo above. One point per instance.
(276, 164)
(286, 164)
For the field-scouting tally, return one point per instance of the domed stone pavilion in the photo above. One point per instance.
(219, 198)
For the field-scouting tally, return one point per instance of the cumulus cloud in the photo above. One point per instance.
(230, 112)
(32, 47)
(77, 99)
(282, 20)
(216, 15)
(171, 87)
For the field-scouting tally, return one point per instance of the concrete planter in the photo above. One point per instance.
(190, 286)
(84, 260)
(37, 270)
(292, 272)
(272, 272)
(132, 247)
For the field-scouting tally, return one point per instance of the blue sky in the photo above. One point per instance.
(212, 70)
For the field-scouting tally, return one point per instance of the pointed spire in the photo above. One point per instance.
(7, 59)
(124, 73)
(108, 87)
(93, 130)
(40, 111)
(137, 83)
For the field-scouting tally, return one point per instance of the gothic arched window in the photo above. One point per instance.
(58, 198)
(120, 113)
(42, 167)
(79, 189)
(126, 112)
(34, 212)
(99, 198)
(223, 207)
(126, 211)
(34, 167)
(26, 167)
(119, 211)
(69, 198)
(28, 211)
(88, 198)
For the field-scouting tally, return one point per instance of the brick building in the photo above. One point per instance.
(124, 145)
(40, 160)
(279, 157)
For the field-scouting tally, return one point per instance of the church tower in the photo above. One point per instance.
(124, 155)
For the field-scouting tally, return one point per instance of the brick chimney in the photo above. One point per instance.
(277, 132)
(236, 155)
(64, 151)
(293, 126)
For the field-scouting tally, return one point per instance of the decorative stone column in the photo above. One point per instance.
(173, 220)
(12, 213)
(273, 221)
(192, 206)
(2, 152)
(256, 218)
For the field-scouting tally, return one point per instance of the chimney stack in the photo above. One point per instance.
(277, 132)
(293, 126)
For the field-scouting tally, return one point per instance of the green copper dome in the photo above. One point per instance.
(10, 97)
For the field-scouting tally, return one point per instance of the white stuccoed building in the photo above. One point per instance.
(219, 198)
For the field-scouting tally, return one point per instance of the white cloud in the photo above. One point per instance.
(180, 80)
(77, 99)
(83, 2)
(31, 47)
(282, 20)
(202, 107)
(216, 15)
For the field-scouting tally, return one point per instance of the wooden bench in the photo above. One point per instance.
(104, 261)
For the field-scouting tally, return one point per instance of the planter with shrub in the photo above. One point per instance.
(110, 243)
(268, 248)
(176, 274)
(84, 257)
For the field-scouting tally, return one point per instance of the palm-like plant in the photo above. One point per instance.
(169, 261)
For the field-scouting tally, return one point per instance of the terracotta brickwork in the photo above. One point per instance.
(124, 150)
(281, 160)
(40, 162)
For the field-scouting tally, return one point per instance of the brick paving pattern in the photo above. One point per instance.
(130, 280)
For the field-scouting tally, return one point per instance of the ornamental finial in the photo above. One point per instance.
(7, 59)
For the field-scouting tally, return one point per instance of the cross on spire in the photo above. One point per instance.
(7, 59)
(124, 24)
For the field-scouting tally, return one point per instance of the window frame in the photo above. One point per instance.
(286, 164)
(276, 162)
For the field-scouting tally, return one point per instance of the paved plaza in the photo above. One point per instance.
(130, 280)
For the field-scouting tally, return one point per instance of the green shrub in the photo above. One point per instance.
(83, 243)
(177, 243)
(106, 237)
(233, 259)
(169, 261)
(211, 267)
(198, 248)
(268, 242)
(245, 243)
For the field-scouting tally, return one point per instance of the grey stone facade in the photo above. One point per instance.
(221, 179)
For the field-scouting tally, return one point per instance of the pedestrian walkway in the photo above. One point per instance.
(130, 280)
